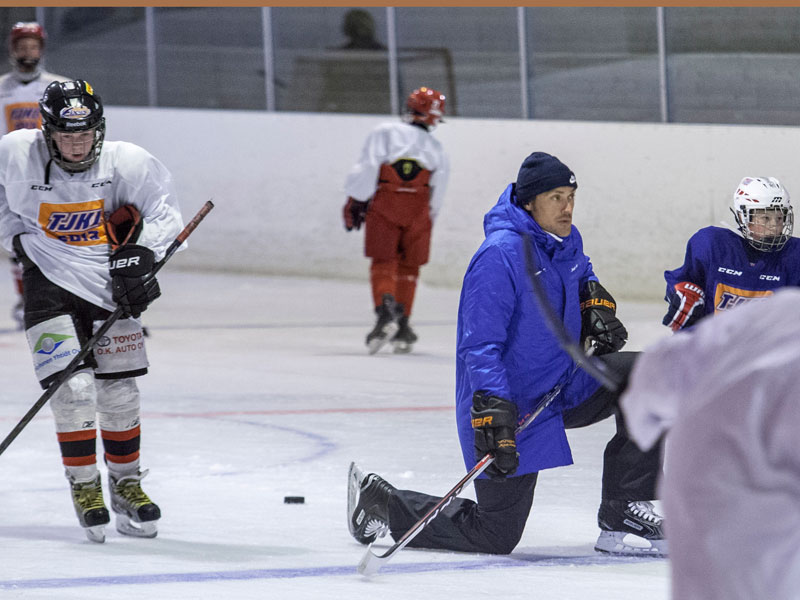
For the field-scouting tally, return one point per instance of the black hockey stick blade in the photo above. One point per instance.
(101, 331)
(592, 366)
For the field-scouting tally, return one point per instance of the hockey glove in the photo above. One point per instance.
(355, 211)
(686, 301)
(494, 421)
(123, 226)
(599, 320)
(133, 285)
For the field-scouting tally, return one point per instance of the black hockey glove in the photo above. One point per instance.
(599, 320)
(133, 285)
(123, 226)
(355, 211)
(494, 421)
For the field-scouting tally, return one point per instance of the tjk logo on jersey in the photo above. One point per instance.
(78, 224)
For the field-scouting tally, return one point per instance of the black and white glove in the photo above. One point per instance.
(494, 421)
(133, 284)
(355, 211)
(599, 321)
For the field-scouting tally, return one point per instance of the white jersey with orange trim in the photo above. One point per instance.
(62, 213)
(391, 142)
(19, 101)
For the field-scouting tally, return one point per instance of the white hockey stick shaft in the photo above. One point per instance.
(371, 562)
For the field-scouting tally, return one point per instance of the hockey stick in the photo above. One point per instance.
(592, 366)
(371, 562)
(101, 331)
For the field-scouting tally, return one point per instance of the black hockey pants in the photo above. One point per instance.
(494, 524)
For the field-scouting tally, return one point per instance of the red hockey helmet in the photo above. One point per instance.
(426, 106)
(30, 29)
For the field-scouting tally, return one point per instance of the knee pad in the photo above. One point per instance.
(74, 403)
(118, 404)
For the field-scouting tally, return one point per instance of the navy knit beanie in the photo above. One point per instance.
(539, 173)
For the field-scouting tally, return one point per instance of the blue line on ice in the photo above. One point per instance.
(523, 560)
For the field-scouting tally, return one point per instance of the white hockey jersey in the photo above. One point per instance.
(728, 393)
(63, 213)
(19, 101)
(390, 142)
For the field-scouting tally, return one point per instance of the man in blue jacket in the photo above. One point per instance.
(507, 360)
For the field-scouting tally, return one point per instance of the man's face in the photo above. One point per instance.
(766, 223)
(552, 210)
(76, 146)
(27, 53)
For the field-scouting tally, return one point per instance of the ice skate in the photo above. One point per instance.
(367, 505)
(630, 528)
(403, 340)
(386, 326)
(137, 515)
(87, 496)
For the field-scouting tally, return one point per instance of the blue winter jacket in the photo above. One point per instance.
(504, 345)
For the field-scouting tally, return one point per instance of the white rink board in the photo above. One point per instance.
(278, 179)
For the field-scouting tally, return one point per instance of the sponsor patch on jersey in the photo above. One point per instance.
(22, 115)
(726, 296)
(78, 224)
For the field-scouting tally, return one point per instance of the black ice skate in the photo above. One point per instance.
(87, 496)
(386, 325)
(367, 505)
(630, 528)
(137, 515)
(403, 340)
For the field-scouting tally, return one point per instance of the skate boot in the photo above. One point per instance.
(385, 326)
(630, 528)
(137, 515)
(403, 340)
(87, 496)
(367, 505)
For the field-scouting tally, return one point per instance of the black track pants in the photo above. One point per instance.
(494, 524)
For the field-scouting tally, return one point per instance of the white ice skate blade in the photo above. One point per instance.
(145, 529)
(622, 543)
(379, 342)
(96, 533)
(402, 347)
(354, 477)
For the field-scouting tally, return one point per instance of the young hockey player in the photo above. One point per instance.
(724, 269)
(20, 91)
(88, 219)
(397, 188)
(726, 390)
(506, 361)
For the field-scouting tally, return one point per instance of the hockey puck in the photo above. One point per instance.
(294, 499)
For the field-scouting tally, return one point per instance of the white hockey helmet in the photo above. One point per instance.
(762, 196)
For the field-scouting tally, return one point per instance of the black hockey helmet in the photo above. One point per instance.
(71, 107)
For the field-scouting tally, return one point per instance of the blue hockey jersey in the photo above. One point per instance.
(731, 272)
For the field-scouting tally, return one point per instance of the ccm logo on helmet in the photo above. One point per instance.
(121, 263)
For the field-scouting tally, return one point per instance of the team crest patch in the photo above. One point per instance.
(75, 112)
(77, 224)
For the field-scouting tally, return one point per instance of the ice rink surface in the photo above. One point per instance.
(261, 388)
